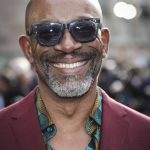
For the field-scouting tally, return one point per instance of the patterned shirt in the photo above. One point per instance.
(93, 125)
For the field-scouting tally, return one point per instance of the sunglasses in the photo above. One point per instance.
(50, 33)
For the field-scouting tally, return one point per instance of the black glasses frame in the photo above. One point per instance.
(35, 30)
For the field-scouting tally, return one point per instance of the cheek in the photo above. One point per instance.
(98, 46)
(36, 59)
(38, 52)
(99, 42)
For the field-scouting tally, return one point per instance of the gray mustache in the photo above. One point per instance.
(54, 57)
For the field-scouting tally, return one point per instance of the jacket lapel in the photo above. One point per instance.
(25, 125)
(26, 128)
(114, 126)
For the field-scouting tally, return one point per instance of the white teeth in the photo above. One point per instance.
(69, 66)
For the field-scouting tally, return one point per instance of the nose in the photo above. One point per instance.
(67, 43)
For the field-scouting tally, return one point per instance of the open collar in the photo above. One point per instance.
(28, 135)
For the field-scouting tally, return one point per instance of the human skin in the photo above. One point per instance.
(68, 113)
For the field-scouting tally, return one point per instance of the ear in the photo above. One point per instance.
(25, 45)
(105, 40)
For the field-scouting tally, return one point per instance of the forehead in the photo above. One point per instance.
(64, 10)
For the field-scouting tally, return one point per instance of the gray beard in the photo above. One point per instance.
(71, 86)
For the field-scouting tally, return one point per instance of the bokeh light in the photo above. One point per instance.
(124, 10)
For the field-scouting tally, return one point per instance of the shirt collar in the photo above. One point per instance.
(49, 129)
(95, 113)
(97, 109)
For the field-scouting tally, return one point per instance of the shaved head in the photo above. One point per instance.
(36, 8)
(70, 67)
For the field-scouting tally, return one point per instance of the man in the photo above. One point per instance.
(66, 44)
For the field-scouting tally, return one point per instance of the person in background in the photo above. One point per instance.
(66, 44)
(23, 73)
(9, 86)
(2, 103)
(16, 80)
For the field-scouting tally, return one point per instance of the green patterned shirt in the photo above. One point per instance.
(93, 125)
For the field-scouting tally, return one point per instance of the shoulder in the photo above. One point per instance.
(136, 121)
(17, 108)
(123, 127)
(120, 109)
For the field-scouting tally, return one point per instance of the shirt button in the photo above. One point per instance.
(49, 129)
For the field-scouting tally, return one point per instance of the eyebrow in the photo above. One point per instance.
(55, 20)
(83, 17)
(47, 21)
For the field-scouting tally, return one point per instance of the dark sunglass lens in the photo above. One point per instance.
(49, 34)
(84, 31)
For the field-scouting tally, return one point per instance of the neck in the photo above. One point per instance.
(66, 112)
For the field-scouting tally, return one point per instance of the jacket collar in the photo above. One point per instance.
(114, 124)
(26, 129)
(28, 135)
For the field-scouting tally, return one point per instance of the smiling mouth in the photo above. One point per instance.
(69, 65)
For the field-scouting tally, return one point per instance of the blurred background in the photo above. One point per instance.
(125, 73)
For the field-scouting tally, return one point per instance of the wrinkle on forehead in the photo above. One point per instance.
(64, 9)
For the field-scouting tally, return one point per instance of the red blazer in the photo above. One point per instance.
(122, 128)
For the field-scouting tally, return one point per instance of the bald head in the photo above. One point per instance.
(60, 10)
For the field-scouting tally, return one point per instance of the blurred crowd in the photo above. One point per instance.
(128, 84)
(16, 81)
